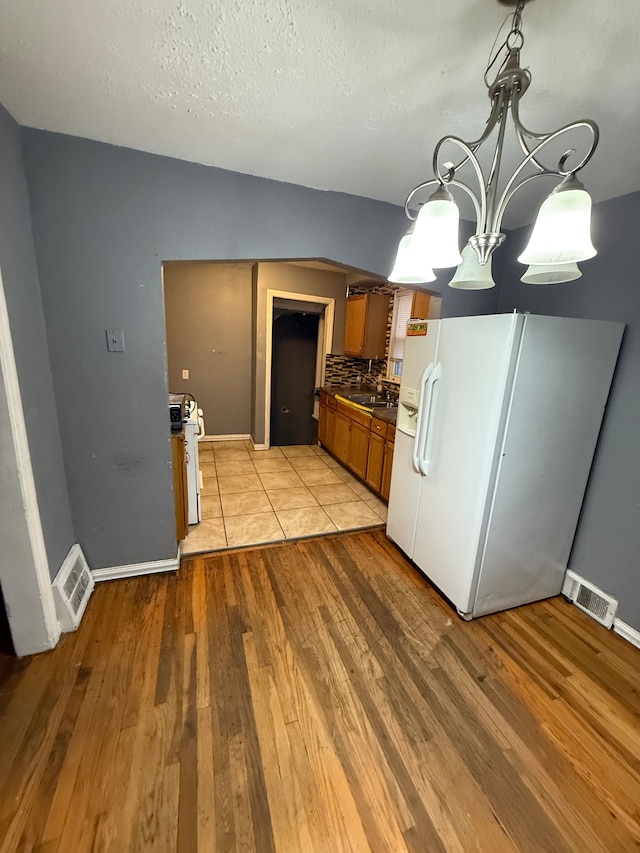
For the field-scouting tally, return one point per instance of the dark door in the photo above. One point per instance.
(293, 372)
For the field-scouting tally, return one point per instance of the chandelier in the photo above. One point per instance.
(561, 234)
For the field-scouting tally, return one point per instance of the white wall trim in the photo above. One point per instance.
(630, 634)
(230, 437)
(34, 626)
(325, 344)
(259, 446)
(135, 569)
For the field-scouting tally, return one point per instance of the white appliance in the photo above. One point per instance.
(191, 431)
(498, 420)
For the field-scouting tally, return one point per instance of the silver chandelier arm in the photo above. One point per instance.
(523, 133)
(433, 182)
(497, 104)
(531, 157)
(449, 179)
(546, 173)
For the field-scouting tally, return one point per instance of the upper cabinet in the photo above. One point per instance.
(421, 305)
(365, 333)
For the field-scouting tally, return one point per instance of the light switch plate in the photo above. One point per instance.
(185, 374)
(115, 340)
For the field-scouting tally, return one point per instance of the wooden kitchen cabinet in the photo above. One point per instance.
(420, 305)
(365, 333)
(385, 486)
(375, 461)
(342, 436)
(327, 422)
(359, 441)
(358, 449)
(180, 493)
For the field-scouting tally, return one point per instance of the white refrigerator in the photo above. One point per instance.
(498, 420)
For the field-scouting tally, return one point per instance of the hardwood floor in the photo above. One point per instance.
(319, 696)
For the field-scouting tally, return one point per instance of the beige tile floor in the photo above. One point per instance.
(255, 496)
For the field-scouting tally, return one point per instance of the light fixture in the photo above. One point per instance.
(436, 231)
(410, 266)
(553, 274)
(562, 231)
(471, 274)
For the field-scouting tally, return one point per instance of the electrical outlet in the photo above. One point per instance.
(115, 340)
(185, 374)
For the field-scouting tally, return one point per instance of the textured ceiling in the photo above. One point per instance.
(346, 95)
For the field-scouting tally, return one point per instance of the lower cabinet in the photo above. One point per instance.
(341, 437)
(359, 450)
(375, 462)
(385, 487)
(327, 421)
(180, 493)
(361, 442)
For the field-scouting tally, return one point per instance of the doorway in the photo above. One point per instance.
(324, 308)
(293, 373)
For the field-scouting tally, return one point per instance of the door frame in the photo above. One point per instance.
(325, 344)
(28, 593)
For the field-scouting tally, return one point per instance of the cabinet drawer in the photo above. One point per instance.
(327, 400)
(360, 417)
(379, 427)
(391, 432)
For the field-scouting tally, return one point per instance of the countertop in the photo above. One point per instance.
(387, 415)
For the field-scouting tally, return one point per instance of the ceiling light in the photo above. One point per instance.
(471, 274)
(436, 231)
(562, 230)
(410, 266)
(543, 274)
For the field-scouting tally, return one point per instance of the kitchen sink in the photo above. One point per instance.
(371, 401)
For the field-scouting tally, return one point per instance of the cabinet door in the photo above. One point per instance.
(330, 435)
(341, 437)
(355, 324)
(359, 449)
(420, 305)
(180, 493)
(322, 423)
(386, 469)
(375, 461)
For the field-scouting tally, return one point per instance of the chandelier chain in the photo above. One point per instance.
(514, 40)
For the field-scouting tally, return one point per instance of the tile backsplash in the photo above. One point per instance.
(347, 370)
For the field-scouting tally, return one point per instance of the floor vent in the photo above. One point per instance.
(72, 587)
(589, 598)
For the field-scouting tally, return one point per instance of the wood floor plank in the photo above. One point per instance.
(319, 697)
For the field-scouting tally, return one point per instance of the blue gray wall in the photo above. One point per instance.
(104, 219)
(22, 293)
(607, 545)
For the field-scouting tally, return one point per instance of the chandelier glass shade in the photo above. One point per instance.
(410, 266)
(561, 233)
(471, 274)
(436, 231)
(542, 274)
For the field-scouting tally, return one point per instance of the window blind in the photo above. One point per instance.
(402, 303)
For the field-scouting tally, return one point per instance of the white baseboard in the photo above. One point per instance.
(630, 634)
(260, 446)
(230, 437)
(135, 569)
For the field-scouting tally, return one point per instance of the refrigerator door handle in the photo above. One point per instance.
(424, 460)
(417, 444)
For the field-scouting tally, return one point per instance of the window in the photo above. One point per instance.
(402, 304)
